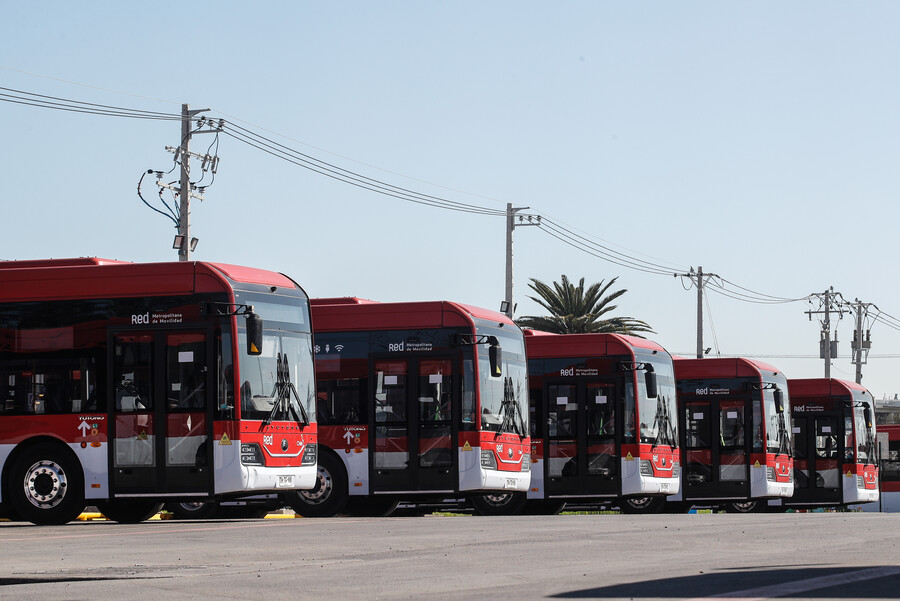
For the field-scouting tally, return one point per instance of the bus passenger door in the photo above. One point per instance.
(582, 457)
(601, 455)
(734, 460)
(715, 450)
(699, 475)
(413, 447)
(161, 414)
(817, 453)
(563, 463)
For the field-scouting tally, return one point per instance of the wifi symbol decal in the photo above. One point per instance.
(339, 347)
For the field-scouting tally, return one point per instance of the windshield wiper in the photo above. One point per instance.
(511, 410)
(784, 444)
(282, 393)
(663, 423)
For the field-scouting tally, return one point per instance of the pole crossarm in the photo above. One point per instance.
(829, 302)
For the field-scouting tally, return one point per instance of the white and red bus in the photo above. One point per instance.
(417, 400)
(124, 385)
(734, 416)
(603, 424)
(835, 451)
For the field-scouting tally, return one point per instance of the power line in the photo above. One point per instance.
(347, 176)
(580, 241)
(64, 104)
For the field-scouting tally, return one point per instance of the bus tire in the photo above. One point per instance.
(129, 511)
(641, 505)
(46, 485)
(329, 496)
(754, 506)
(371, 507)
(193, 510)
(508, 503)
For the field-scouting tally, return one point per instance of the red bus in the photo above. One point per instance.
(835, 452)
(123, 385)
(889, 468)
(734, 416)
(603, 424)
(418, 400)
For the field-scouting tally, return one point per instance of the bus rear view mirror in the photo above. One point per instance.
(254, 334)
(868, 414)
(779, 400)
(495, 354)
(650, 382)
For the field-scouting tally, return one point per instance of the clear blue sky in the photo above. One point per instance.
(757, 139)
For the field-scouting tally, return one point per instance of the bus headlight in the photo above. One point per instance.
(488, 460)
(860, 483)
(251, 454)
(646, 467)
(676, 470)
(309, 455)
(526, 462)
(770, 473)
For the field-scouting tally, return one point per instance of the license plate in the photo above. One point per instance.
(510, 483)
(664, 487)
(285, 482)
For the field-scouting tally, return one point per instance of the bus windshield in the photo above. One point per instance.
(279, 383)
(504, 400)
(865, 430)
(778, 438)
(658, 415)
(261, 388)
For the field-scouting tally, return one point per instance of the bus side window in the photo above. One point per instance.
(339, 401)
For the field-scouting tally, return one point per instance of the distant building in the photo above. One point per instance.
(887, 411)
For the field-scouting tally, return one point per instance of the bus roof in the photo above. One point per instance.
(74, 262)
(547, 344)
(801, 387)
(351, 313)
(722, 367)
(60, 279)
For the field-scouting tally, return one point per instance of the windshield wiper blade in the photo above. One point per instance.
(510, 409)
(282, 393)
(663, 421)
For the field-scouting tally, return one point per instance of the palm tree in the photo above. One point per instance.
(574, 310)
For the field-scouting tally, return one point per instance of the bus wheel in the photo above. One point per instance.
(129, 511)
(635, 505)
(746, 507)
(193, 510)
(499, 503)
(370, 507)
(46, 485)
(329, 495)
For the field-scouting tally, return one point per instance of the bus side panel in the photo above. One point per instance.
(536, 489)
(469, 457)
(227, 462)
(95, 463)
(5, 451)
(351, 444)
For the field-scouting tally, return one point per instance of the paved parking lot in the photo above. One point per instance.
(821, 556)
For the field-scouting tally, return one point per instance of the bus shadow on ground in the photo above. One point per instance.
(801, 582)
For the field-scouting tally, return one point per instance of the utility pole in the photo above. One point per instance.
(828, 348)
(699, 279)
(510, 226)
(860, 347)
(183, 241)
